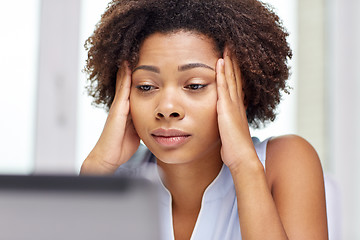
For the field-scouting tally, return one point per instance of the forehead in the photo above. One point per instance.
(181, 44)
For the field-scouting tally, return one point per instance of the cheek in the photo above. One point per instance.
(206, 113)
(207, 106)
(212, 112)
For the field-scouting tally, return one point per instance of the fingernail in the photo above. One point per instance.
(221, 62)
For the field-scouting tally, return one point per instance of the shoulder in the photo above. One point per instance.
(295, 178)
(291, 156)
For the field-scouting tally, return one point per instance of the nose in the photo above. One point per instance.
(169, 107)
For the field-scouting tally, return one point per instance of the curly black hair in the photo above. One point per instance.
(251, 29)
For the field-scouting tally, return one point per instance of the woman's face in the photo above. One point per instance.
(173, 97)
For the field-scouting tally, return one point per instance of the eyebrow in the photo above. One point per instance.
(193, 65)
(181, 68)
(148, 68)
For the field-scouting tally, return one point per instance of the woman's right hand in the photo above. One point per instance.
(119, 139)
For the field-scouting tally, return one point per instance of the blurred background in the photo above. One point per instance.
(48, 124)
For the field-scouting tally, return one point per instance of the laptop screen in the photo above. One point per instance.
(72, 207)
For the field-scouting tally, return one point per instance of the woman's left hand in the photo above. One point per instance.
(237, 145)
(293, 179)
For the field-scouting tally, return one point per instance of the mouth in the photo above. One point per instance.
(170, 137)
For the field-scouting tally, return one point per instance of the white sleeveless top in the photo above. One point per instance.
(218, 217)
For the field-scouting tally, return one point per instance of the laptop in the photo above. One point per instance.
(73, 207)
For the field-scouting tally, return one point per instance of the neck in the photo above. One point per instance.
(187, 182)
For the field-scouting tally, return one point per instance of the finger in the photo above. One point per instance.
(230, 77)
(123, 82)
(222, 87)
(238, 78)
(119, 76)
(120, 105)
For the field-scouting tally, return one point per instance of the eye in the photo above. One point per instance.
(195, 86)
(145, 88)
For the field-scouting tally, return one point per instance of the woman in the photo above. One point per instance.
(187, 77)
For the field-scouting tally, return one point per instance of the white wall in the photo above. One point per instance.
(343, 75)
(311, 112)
(19, 36)
(57, 87)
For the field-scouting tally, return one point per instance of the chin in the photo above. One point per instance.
(172, 158)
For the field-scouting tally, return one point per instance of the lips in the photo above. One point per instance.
(170, 137)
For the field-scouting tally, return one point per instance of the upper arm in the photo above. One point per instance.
(295, 177)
